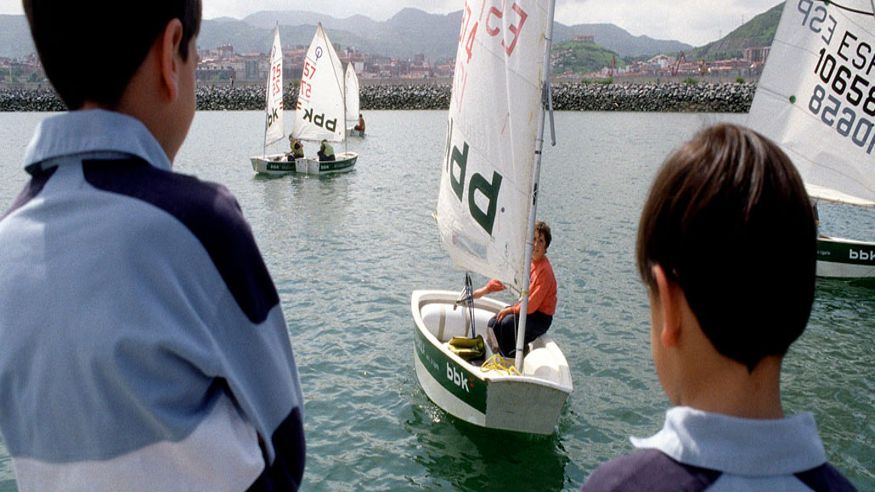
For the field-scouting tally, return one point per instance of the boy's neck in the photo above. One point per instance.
(726, 387)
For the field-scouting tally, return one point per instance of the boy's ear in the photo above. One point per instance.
(170, 63)
(669, 294)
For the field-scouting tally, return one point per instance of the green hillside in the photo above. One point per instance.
(581, 57)
(758, 32)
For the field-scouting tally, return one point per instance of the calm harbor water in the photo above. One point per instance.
(346, 252)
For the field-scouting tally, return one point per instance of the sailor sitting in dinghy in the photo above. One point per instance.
(296, 149)
(542, 298)
(326, 151)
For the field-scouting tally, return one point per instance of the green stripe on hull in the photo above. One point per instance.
(284, 166)
(333, 166)
(455, 378)
(850, 253)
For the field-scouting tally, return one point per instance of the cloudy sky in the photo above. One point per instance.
(695, 22)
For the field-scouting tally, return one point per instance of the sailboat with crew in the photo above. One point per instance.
(486, 209)
(353, 104)
(320, 111)
(815, 99)
(276, 163)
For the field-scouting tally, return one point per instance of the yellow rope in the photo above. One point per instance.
(497, 363)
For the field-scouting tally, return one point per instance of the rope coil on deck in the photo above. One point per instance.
(497, 363)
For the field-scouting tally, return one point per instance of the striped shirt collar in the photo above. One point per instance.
(737, 445)
(90, 131)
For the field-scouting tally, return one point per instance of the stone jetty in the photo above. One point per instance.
(669, 97)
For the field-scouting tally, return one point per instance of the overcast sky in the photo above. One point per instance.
(695, 22)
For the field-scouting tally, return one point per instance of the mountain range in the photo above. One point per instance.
(756, 32)
(408, 33)
(412, 31)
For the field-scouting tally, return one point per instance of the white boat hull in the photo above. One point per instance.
(277, 165)
(845, 258)
(530, 403)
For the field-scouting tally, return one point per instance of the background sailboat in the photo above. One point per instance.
(320, 112)
(351, 91)
(816, 99)
(273, 126)
(485, 214)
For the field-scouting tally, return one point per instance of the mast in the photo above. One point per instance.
(539, 144)
(343, 82)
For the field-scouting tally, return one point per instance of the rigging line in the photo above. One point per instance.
(849, 9)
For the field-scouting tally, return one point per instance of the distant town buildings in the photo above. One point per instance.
(749, 65)
(22, 71)
(224, 65)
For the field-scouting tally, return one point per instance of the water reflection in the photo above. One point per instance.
(472, 458)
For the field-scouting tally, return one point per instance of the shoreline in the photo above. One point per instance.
(567, 96)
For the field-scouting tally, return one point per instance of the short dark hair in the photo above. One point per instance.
(90, 51)
(543, 228)
(729, 220)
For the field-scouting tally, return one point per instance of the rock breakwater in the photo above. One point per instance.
(671, 97)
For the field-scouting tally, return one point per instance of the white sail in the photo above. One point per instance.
(486, 187)
(816, 97)
(352, 97)
(274, 93)
(319, 111)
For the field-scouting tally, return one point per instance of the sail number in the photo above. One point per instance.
(275, 78)
(849, 125)
(306, 89)
(493, 27)
(817, 19)
(842, 97)
(506, 23)
(309, 70)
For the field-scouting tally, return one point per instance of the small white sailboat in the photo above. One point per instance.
(815, 98)
(277, 163)
(320, 112)
(353, 108)
(485, 214)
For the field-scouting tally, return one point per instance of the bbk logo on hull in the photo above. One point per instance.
(457, 377)
(862, 255)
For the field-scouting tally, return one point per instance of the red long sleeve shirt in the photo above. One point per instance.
(542, 288)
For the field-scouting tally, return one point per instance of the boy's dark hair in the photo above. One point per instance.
(90, 49)
(728, 219)
(543, 228)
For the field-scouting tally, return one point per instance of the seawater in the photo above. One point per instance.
(346, 252)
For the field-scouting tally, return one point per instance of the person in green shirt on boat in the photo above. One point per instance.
(296, 149)
(326, 151)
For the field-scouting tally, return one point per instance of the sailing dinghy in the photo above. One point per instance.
(485, 214)
(351, 92)
(275, 164)
(321, 108)
(816, 99)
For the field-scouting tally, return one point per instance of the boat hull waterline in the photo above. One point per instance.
(845, 258)
(277, 165)
(528, 403)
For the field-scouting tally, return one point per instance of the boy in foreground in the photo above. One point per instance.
(726, 248)
(143, 342)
